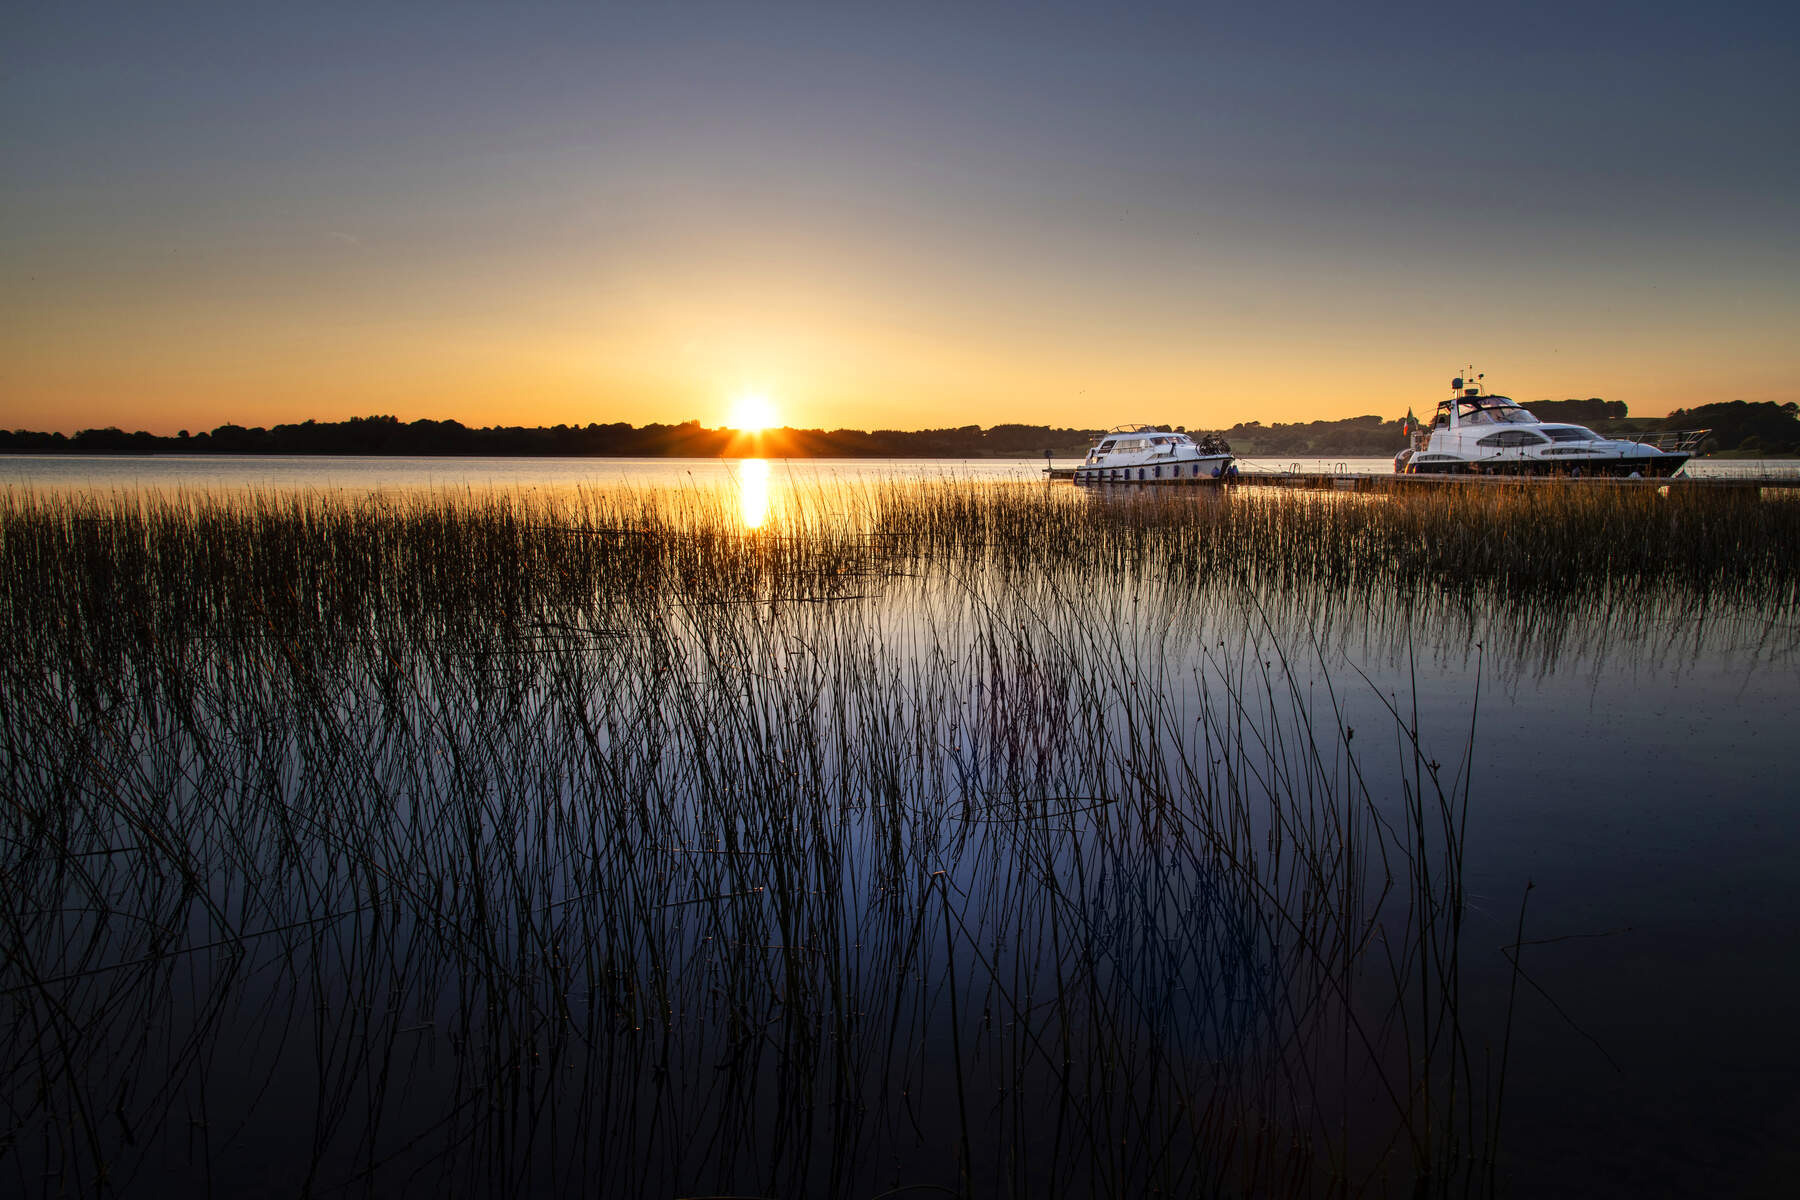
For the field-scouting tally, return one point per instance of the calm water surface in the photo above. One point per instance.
(1644, 785)
(353, 474)
(277, 472)
(1633, 784)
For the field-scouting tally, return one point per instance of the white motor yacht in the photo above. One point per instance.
(1150, 454)
(1476, 433)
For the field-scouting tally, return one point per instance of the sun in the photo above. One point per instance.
(752, 412)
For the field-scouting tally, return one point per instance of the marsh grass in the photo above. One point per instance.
(998, 840)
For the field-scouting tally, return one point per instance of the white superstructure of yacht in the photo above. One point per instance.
(1477, 433)
(1151, 454)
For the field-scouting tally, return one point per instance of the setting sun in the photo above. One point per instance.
(752, 412)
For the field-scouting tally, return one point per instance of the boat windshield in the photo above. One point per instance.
(1493, 410)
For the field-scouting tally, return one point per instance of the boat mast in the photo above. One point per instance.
(1461, 387)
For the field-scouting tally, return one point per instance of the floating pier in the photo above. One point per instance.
(1354, 482)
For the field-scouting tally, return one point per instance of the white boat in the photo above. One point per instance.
(1150, 454)
(1477, 433)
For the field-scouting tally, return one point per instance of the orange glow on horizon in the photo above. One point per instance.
(853, 371)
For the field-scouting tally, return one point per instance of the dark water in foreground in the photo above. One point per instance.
(1647, 791)
(935, 870)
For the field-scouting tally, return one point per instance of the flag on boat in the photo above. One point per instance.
(1411, 423)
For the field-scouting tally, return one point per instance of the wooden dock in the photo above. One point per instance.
(1353, 482)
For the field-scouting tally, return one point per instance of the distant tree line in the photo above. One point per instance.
(1738, 427)
(386, 435)
(1372, 436)
(1742, 428)
(1352, 437)
(1591, 411)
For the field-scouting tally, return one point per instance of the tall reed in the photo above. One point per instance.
(995, 840)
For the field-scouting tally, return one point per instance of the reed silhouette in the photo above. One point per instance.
(997, 840)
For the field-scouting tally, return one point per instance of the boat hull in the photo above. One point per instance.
(1657, 466)
(1187, 470)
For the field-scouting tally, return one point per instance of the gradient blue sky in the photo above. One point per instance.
(889, 215)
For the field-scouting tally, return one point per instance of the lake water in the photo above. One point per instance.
(1629, 760)
(275, 472)
(278, 472)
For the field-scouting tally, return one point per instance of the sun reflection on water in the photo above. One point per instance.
(753, 492)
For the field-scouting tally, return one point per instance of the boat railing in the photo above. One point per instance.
(1672, 441)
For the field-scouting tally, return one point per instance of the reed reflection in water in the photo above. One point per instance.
(990, 840)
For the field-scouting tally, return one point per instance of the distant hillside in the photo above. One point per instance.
(1579, 412)
(1354, 437)
(386, 435)
(1737, 427)
(1742, 428)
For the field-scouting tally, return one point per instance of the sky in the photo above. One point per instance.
(904, 215)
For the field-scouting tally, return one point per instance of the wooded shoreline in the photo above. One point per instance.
(1761, 429)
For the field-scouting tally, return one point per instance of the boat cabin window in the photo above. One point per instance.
(1107, 444)
(1571, 433)
(1513, 437)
